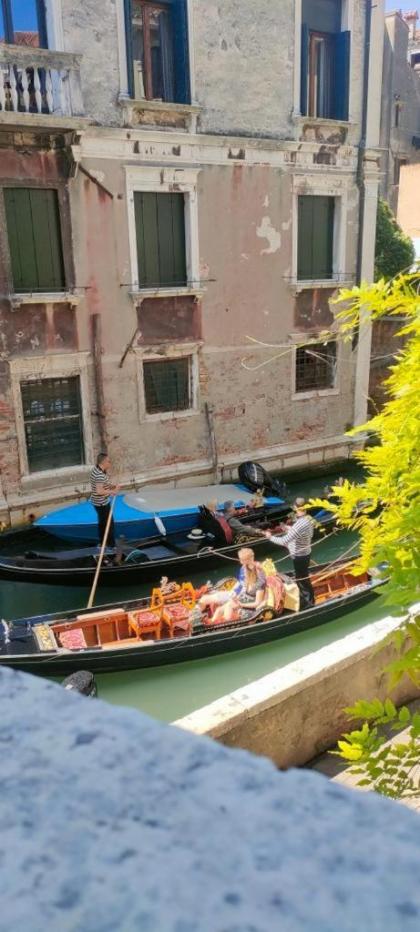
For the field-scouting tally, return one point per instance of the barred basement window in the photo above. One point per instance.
(316, 367)
(168, 385)
(52, 415)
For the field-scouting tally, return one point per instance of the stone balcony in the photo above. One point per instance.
(39, 86)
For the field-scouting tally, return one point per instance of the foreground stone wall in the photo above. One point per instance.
(111, 821)
(296, 713)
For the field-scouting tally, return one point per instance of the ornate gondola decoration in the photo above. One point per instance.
(166, 628)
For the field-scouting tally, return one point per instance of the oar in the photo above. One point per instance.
(101, 556)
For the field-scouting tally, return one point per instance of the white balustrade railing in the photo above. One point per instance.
(39, 81)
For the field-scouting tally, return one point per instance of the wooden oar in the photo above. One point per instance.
(101, 556)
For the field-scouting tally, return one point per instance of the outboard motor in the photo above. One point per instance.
(82, 681)
(253, 476)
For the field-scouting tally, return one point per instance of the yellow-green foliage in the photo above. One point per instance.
(385, 508)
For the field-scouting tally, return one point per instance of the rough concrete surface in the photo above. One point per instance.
(111, 821)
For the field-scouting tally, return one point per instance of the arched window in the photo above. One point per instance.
(22, 22)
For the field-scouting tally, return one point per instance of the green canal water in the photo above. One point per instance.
(169, 692)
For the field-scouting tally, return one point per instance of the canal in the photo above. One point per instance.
(170, 692)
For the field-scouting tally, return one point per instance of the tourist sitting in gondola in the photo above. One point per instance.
(249, 592)
(238, 528)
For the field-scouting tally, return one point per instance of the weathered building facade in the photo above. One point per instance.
(400, 111)
(177, 177)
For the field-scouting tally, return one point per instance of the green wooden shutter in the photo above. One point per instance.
(304, 65)
(341, 87)
(160, 230)
(315, 237)
(33, 226)
(305, 232)
(322, 237)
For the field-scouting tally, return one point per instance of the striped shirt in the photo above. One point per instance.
(298, 539)
(99, 484)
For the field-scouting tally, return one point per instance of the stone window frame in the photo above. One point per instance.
(347, 23)
(338, 188)
(174, 351)
(122, 53)
(166, 180)
(298, 340)
(54, 21)
(28, 368)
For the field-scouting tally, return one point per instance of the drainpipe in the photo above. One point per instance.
(95, 321)
(362, 145)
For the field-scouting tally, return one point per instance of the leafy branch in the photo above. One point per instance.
(385, 510)
(391, 769)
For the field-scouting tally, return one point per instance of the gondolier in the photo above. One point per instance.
(298, 540)
(101, 490)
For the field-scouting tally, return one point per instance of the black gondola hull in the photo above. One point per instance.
(199, 560)
(181, 650)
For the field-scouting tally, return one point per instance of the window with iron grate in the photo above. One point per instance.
(52, 415)
(168, 385)
(316, 367)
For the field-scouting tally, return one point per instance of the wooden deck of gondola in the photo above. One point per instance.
(203, 643)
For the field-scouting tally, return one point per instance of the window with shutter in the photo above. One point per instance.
(325, 61)
(52, 415)
(33, 227)
(168, 385)
(316, 367)
(315, 237)
(160, 232)
(157, 36)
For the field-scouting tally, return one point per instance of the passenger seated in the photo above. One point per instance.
(249, 592)
(238, 527)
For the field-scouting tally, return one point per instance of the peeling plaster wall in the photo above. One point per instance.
(90, 29)
(248, 267)
(244, 66)
(400, 88)
(246, 197)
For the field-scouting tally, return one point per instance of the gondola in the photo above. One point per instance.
(174, 555)
(161, 629)
(135, 513)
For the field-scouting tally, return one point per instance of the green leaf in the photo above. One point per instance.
(349, 751)
(390, 709)
(404, 715)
